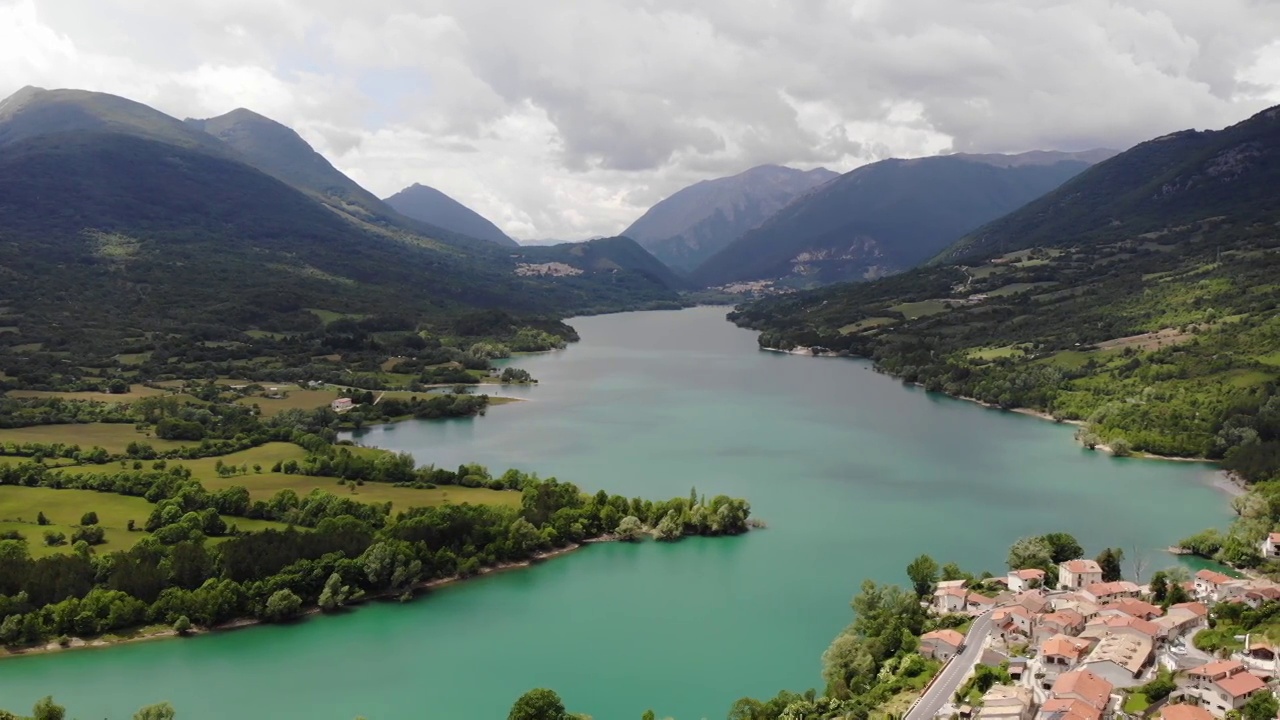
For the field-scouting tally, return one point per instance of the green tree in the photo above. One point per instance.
(335, 594)
(648, 715)
(89, 518)
(182, 625)
(1030, 552)
(923, 572)
(1159, 586)
(159, 711)
(538, 704)
(41, 519)
(1064, 546)
(1177, 594)
(282, 605)
(1109, 560)
(52, 538)
(1262, 706)
(952, 571)
(630, 529)
(1121, 447)
(46, 709)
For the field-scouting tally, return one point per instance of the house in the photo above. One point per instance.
(1108, 591)
(941, 644)
(1017, 667)
(977, 604)
(1085, 687)
(1213, 586)
(1006, 702)
(1076, 602)
(1255, 594)
(962, 583)
(1105, 625)
(1120, 659)
(1033, 600)
(1259, 649)
(1271, 546)
(1022, 580)
(950, 599)
(1134, 608)
(1061, 654)
(1067, 709)
(1218, 687)
(1078, 574)
(1183, 619)
(273, 393)
(342, 405)
(1012, 622)
(1062, 622)
(1182, 711)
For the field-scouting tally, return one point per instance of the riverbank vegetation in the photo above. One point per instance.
(47, 709)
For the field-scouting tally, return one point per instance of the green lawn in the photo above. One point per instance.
(113, 437)
(994, 353)
(1015, 288)
(296, 399)
(913, 310)
(263, 486)
(136, 392)
(867, 324)
(1136, 703)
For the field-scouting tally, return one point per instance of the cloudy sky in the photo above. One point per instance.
(568, 118)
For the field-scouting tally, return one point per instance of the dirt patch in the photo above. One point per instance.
(1148, 341)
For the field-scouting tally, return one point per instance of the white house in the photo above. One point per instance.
(342, 404)
(1213, 586)
(1107, 591)
(1183, 619)
(1218, 687)
(951, 599)
(1012, 622)
(1061, 654)
(1078, 574)
(941, 644)
(1023, 580)
(1271, 546)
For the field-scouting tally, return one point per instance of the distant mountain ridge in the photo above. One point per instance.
(430, 205)
(888, 216)
(1175, 179)
(694, 223)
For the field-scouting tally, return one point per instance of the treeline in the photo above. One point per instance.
(47, 709)
(176, 576)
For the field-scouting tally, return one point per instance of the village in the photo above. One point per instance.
(1081, 648)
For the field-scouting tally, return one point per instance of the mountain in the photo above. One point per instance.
(1162, 183)
(696, 222)
(120, 222)
(432, 206)
(280, 152)
(886, 217)
(1139, 299)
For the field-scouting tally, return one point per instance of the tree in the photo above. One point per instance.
(89, 518)
(335, 594)
(648, 715)
(1159, 586)
(1121, 447)
(282, 605)
(1262, 706)
(1177, 594)
(159, 711)
(53, 538)
(923, 572)
(1064, 546)
(1030, 552)
(538, 704)
(45, 709)
(1109, 560)
(952, 571)
(182, 625)
(41, 519)
(669, 528)
(630, 529)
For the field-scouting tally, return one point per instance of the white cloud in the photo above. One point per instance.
(564, 119)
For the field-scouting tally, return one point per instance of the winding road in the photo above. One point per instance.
(949, 680)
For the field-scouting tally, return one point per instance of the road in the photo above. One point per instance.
(949, 680)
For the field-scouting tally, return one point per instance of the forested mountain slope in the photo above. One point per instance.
(884, 217)
(693, 224)
(1165, 339)
(1163, 183)
(429, 205)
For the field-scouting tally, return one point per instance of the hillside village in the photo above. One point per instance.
(1078, 647)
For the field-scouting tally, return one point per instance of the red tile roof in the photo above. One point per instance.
(1185, 712)
(1134, 607)
(1194, 608)
(1082, 566)
(1216, 668)
(1070, 709)
(1241, 684)
(1028, 574)
(1085, 685)
(1215, 578)
(1111, 588)
(1065, 646)
(950, 637)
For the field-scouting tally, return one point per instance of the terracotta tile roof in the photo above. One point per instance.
(1241, 684)
(1085, 685)
(1111, 588)
(950, 637)
(1122, 622)
(1194, 608)
(1081, 566)
(1007, 611)
(981, 599)
(1215, 578)
(1134, 607)
(1185, 712)
(1029, 574)
(1274, 538)
(1068, 709)
(952, 583)
(1065, 646)
(952, 590)
(1062, 618)
(1219, 667)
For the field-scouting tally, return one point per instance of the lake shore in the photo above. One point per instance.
(149, 633)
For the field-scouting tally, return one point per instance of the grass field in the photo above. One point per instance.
(113, 437)
(297, 399)
(994, 353)
(262, 487)
(136, 392)
(328, 316)
(913, 310)
(866, 324)
(1015, 288)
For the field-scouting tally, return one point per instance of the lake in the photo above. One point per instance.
(854, 473)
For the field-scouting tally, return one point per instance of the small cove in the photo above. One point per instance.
(854, 472)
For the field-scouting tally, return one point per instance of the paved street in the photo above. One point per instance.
(946, 684)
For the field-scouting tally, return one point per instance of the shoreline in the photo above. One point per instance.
(423, 588)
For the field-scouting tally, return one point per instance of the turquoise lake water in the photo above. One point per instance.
(854, 473)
